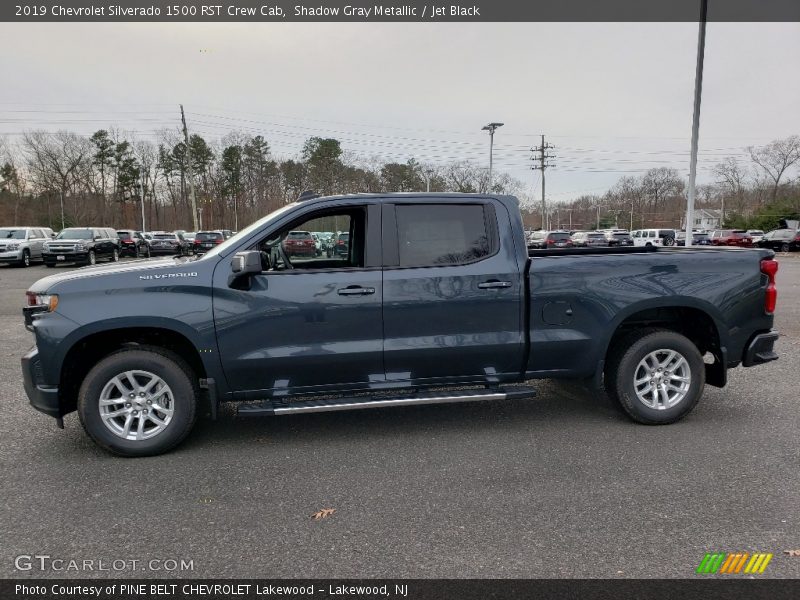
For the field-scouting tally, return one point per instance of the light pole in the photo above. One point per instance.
(698, 93)
(141, 193)
(491, 128)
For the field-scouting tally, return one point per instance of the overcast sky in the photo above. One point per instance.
(614, 99)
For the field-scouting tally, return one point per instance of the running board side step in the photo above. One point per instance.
(272, 407)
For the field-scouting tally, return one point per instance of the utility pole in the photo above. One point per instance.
(62, 208)
(542, 166)
(189, 170)
(491, 128)
(698, 92)
(141, 192)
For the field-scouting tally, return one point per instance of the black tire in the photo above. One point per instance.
(115, 255)
(26, 259)
(622, 364)
(669, 241)
(785, 247)
(166, 365)
(91, 259)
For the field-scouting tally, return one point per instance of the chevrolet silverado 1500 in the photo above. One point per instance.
(435, 299)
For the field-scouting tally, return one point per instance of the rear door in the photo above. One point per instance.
(36, 243)
(453, 292)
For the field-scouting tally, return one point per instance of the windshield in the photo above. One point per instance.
(75, 234)
(12, 234)
(621, 235)
(124, 235)
(164, 236)
(204, 237)
(232, 241)
(559, 237)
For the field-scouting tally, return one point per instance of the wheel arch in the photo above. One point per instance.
(696, 319)
(88, 345)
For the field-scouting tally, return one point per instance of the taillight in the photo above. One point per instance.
(770, 267)
(551, 241)
(197, 242)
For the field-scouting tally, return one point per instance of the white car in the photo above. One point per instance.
(756, 234)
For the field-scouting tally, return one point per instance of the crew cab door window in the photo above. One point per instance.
(435, 235)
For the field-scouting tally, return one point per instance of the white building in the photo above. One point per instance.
(705, 218)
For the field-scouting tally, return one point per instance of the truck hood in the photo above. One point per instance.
(143, 267)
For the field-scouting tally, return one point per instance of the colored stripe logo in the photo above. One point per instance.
(731, 563)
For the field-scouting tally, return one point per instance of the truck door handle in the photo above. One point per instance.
(355, 290)
(490, 285)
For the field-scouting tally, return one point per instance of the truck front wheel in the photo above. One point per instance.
(656, 375)
(140, 401)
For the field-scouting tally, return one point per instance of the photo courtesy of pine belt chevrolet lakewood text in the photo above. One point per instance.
(415, 299)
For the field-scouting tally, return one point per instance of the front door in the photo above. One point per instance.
(453, 293)
(307, 323)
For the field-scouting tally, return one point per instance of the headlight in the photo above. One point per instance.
(46, 246)
(47, 301)
(80, 246)
(12, 247)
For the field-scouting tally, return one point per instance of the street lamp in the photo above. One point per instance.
(490, 128)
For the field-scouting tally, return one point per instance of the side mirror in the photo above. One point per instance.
(246, 263)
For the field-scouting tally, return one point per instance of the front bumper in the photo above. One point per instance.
(43, 398)
(69, 257)
(11, 256)
(760, 349)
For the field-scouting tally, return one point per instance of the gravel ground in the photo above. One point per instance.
(559, 486)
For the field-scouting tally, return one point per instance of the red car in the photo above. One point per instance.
(299, 243)
(731, 237)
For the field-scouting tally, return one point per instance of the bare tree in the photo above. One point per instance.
(776, 157)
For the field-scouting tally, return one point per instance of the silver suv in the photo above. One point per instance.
(21, 245)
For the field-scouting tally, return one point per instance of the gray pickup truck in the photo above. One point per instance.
(433, 298)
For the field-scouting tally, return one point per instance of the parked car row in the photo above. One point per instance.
(786, 239)
(87, 245)
(316, 243)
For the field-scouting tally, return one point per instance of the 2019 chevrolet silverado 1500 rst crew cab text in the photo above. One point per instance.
(436, 299)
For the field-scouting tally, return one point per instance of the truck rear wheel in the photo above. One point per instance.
(140, 401)
(656, 375)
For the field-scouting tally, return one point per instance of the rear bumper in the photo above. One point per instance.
(760, 349)
(43, 398)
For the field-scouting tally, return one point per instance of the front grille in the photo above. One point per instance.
(61, 248)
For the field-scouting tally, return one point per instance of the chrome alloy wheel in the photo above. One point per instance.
(136, 405)
(662, 379)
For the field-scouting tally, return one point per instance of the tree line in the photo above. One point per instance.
(104, 179)
(753, 193)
